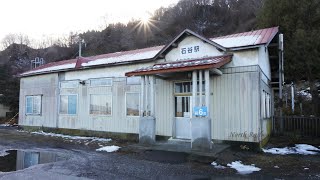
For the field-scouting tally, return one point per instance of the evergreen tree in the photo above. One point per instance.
(9, 89)
(299, 21)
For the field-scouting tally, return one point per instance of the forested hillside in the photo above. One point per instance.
(206, 17)
(298, 20)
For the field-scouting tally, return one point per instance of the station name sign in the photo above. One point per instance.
(185, 50)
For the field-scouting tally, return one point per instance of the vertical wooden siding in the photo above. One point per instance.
(164, 107)
(116, 122)
(47, 87)
(235, 109)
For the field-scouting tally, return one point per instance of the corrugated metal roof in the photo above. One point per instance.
(245, 39)
(251, 38)
(180, 66)
(104, 59)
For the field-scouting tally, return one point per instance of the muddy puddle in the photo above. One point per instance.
(18, 159)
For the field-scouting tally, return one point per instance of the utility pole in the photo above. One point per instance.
(292, 97)
(81, 41)
(281, 78)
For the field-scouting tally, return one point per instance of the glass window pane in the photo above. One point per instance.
(36, 104)
(100, 104)
(182, 106)
(69, 84)
(64, 104)
(29, 104)
(187, 87)
(72, 104)
(101, 82)
(132, 104)
(178, 88)
(133, 80)
(178, 107)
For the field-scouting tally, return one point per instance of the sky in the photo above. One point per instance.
(41, 18)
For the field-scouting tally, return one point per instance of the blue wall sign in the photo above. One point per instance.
(200, 111)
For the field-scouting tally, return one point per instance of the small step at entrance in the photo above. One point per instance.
(178, 145)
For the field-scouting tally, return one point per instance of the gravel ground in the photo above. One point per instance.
(84, 162)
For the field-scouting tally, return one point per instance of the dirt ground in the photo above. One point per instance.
(85, 162)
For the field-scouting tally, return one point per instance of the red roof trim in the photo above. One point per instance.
(217, 61)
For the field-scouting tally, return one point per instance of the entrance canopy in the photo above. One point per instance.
(181, 66)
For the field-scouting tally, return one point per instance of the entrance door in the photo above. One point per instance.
(183, 117)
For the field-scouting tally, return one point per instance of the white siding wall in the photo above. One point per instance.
(244, 58)
(116, 122)
(164, 107)
(264, 63)
(235, 109)
(205, 50)
(112, 71)
(47, 86)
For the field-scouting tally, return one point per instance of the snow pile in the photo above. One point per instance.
(305, 93)
(109, 148)
(5, 125)
(217, 166)
(243, 169)
(303, 149)
(92, 139)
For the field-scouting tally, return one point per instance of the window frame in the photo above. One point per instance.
(89, 104)
(133, 78)
(125, 111)
(77, 104)
(32, 107)
(191, 86)
(108, 78)
(65, 81)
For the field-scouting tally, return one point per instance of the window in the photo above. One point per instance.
(132, 104)
(265, 105)
(135, 80)
(186, 87)
(68, 104)
(183, 87)
(101, 82)
(33, 105)
(69, 84)
(182, 106)
(100, 104)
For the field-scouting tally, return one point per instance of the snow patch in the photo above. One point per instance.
(237, 41)
(109, 148)
(92, 139)
(243, 169)
(217, 166)
(123, 58)
(53, 68)
(303, 149)
(3, 153)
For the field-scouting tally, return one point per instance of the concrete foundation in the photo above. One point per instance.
(147, 130)
(201, 134)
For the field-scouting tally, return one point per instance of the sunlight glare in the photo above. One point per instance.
(145, 19)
